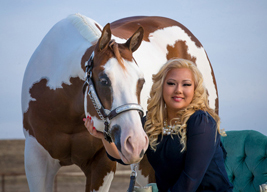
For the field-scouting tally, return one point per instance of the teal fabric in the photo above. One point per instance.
(246, 160)
(154, 187)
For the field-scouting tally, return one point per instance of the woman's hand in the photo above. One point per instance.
(110, 147)
(89, 124)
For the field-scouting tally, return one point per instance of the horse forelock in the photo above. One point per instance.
(121, 51)
(115, 48)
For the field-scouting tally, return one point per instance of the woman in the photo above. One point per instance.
(184, 132)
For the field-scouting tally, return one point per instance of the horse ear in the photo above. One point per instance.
(105, 37)
(135, 40)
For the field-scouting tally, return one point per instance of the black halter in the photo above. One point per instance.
(104, 114)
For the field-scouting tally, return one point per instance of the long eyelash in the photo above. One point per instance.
(187, 84)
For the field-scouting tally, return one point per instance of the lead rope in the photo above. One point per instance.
(132, 178)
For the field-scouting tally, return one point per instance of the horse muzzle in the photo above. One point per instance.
(131, 144)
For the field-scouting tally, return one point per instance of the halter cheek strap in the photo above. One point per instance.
(105, 114)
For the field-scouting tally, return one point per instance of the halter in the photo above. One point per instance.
(104, 114)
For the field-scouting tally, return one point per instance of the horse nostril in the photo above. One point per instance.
(142, 153)
(129, 145)
(115, 133)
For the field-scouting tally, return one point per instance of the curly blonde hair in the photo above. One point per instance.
(156, 105)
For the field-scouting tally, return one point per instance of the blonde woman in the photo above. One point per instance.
(184, 132)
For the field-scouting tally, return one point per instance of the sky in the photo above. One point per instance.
(233, 33)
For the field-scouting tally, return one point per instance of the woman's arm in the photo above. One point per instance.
(200, 150)
(110, 147)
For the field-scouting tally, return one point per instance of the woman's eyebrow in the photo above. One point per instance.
(170, 79)
(188, 80)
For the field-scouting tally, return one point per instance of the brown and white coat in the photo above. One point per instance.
(54, 105)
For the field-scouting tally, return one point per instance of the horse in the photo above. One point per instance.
(82, 69)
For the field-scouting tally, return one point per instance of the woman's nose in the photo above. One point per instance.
(178, 89)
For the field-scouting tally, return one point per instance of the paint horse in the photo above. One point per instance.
(114, 66)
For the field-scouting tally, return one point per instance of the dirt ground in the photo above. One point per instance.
(13, 177)
(64, 184)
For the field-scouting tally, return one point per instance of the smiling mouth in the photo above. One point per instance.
(177, 99)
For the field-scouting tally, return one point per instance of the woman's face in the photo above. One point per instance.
(178, 89)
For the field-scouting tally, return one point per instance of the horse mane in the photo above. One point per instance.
(88, 29)
(114, 46)
(86, 26)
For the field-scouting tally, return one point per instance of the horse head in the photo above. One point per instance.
(114, 85)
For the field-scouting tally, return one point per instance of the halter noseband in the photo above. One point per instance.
(104, 114)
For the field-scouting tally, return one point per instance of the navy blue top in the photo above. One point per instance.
(199, 168)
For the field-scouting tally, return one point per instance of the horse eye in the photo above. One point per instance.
(104, 81)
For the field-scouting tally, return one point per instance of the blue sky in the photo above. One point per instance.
(233, 33)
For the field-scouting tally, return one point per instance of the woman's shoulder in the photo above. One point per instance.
(199, 122)
(200, 115)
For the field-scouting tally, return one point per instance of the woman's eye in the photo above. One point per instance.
(170, 83)
(187, 84)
